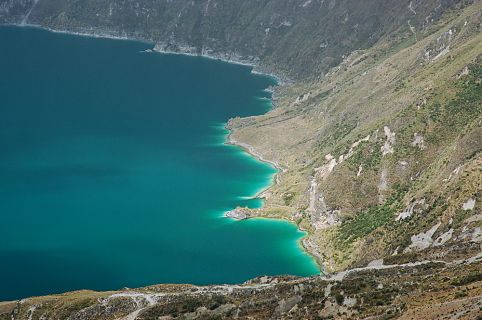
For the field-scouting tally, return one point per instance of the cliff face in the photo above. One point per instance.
(299, 38)
(379, 134)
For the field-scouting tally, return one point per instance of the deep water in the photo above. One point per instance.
(113, 171)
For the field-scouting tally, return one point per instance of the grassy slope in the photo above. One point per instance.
(424, 86)
(297, 38)
(412, 96)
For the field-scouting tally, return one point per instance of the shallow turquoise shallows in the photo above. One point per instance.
(113, 171)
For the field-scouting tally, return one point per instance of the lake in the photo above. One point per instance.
(114, 172)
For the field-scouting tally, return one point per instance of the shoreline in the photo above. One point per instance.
(229, 140)
(206, 53)
(299, 242)
(247, 148)
(279, 169)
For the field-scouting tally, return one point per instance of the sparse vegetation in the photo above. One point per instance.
(416, 74)
(462, 281)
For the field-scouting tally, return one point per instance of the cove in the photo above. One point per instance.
(113, 170)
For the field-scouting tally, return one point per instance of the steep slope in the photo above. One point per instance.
(15, 11)
(384, 148)
(297, 38)
(378, 137)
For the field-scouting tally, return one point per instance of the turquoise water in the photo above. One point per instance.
(113, 170)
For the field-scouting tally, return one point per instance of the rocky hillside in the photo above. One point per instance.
(378, 136)
(298, 38)
(383, 155)
(421, 290)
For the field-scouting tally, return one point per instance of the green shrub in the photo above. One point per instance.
(462, 281)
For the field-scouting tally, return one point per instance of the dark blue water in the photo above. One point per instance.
(113, 170)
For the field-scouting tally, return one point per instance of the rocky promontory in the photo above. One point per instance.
(239, 213)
